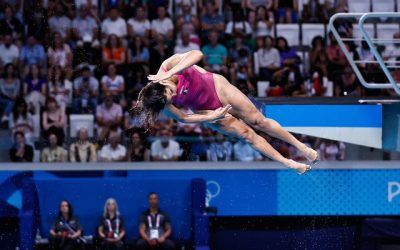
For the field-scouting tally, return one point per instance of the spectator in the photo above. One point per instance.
(392, 51)
(289, 81)
(220, 149)
(240, 56)
(10, 24)
(114, 84)
(254, 4)
(85, 28)
(66, 230)
(286, 11)
(332, 150)
(114, 51)
(139, 25)
(139, 56)
(314, 12)
(186, 45)
(108, 117)
(9, 52)
(82, 150)
(242, 151)
(86, 91)
(32, 53)
(264, 22)
(20, 151)
(9, 91)
(201, 147)
(318, 57)
(215, 54)
(137, 150)
(160, 51)
(112, 227)
(336, 59)
(59, 87)
(114, 24)
(36, 20)
(348, 84)
(187, 22)
(238, 25)
(164, 148)
(131, 120)
(211, 20)
(268, 58)
(59, 53)
(53, 120)
(53, 152)
(289, 57)
(113, 152)
(34, 89)
(162, 25)
(20, 120)
(60, 22)
(155, 227)
(182, 6)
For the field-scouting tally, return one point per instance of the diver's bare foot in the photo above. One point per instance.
(300, 168)
(311, 155)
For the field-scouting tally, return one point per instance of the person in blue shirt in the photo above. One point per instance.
(215, 55)
(32, 53)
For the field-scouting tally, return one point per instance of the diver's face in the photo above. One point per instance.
(169, 91)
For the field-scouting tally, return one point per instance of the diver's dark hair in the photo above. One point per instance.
(151, 101)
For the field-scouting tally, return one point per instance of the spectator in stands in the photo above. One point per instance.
(182, 7)
(155, 227)
(108, 116)
(82, 150)
(20, 151)
(187, 22)
(112, 227)
(289, 57)
(59, 53)
(220, 149)
(53, 152)
(265, 21)
(139, 25)
(215, 54)
(59, 87)
(268, 57)
(10, 24)
(86, 91)
(332, 150)
(9, 90)
(66, 229)
(162, 25)
(85, 28)
(131, 120)
(392, 51)
(114, 24)
(336, 59)
(240, 56)
(114, 51)
(114, 84)
(53, 120)
(314, 12)
(286, 11)
(164, 148)
(9, 52)
(137, 150)
(254, 4)
(32, 53)
(60, 22)
(348, 84)
(113, 151)
(186, 45)
(200, 148)
(242, 151)
(36, 20)
(211, 20)
(20, 120)
(318, 57)
(160, 51)
(238, 25)
(139, 57)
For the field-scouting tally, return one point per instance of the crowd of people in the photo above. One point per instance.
(92, 57)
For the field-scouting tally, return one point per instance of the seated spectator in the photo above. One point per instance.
(181, 7)
(187, 22)
(85, 28)
(34, 89)
(159, 51)
(254, 4)
(66, 230)
(59, 87)
(264, 22)
(164, 148)
(186, 45)
(215, 54)
(332, 150)
(238, 25)
(20, 151)
(289, 57)
(32, 53)
(348, 84)
(318, 57)
(139, 25)
(9, 52)
(36, 20)
(201, 147)
(139, 55)
(336, 59)
(82, 150)
(220, 149)
(59, 53)
(187, 134)
(242, 151)
(10, 24)
(112, 227)
(162, 25)
(20, 120)
(314, 12)
(114, 51)
(53, 152)
(240, 56)
(108, 117)
(392, 51)
(53, 120)
(60, 22)
(131, 120)
(86, 91)
(137, 150)
(286, 11)
(114, 84)
(113, 151)
(287, 82)
(9, 90)
(268, 57)
(114, 24)
(155, 227)
(211, 20)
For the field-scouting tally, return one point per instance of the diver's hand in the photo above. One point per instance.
(221, 112)
(159, 77)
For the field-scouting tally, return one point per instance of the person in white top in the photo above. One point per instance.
(265, 22)
(114, 24)
(139, 25)
(165, 149)
(186, 45)
(242, 151)
(9, 53)
(162, 25)
(60, 22)
(268, 58)
(113, 151)
(85, 28)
